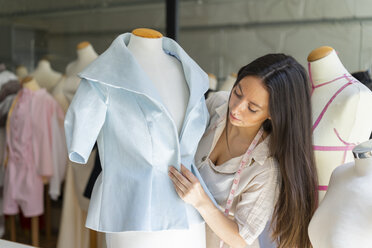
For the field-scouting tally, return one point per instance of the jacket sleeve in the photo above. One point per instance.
(84, 120)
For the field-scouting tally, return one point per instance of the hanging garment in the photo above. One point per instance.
(117, 105)
(9, 87)
(35, 148)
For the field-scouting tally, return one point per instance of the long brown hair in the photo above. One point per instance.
(290, 143)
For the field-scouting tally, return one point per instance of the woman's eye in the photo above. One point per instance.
(236, 93)
(252, 110)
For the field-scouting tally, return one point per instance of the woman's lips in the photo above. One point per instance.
(234, 118)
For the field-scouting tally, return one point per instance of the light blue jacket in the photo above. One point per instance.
(117, 105)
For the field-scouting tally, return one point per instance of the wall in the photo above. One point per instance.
(221, 35)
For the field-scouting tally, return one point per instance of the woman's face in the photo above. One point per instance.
(249, 103)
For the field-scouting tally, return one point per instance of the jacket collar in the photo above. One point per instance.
(117, 67)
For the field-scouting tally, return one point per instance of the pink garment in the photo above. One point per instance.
(32, 138)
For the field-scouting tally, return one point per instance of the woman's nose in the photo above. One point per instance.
(238, 107)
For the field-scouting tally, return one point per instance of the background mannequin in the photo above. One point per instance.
(45, 75)
(85, 56)
(346, 121)
(212, 85)
(68, 83)
(21, 72)
(73, 232)
(167, 75)
(343, 219)
(228, 83)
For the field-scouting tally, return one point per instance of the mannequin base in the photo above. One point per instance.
(194, 237)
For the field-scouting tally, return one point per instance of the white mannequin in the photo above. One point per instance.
(167, 74)
(75, 206)
(349, 112)
(344, 218)
(67, 85)
(21, 72)
(45, 75)
(212, 81)
(228, 83)
(85, 56)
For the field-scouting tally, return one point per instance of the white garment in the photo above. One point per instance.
(258, 189)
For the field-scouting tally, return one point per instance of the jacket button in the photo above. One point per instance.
(204, 158)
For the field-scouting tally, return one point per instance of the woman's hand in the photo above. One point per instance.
(189, 189)
(188, 186)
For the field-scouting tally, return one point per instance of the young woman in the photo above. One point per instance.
(256, 158)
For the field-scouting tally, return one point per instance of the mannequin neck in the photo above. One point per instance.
(44, 66)
(86, 52)
(153, 46)
(326, 69)
(363, 166)
(31, 85)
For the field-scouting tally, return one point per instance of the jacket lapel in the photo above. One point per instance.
(118, 68)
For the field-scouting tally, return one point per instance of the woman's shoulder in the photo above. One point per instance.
(216, 100)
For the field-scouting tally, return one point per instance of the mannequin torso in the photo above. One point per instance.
(344, 217)
(228, 83)
(165, 72)
(21, 72)
(45, 75)
(85, 56)
(340, 115)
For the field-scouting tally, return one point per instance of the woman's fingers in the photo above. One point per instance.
(177, 183)
(179, 192)
(188, 174)
(180, 178)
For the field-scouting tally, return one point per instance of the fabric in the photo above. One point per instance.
(33, 130)
(258, 189)
(117, 105)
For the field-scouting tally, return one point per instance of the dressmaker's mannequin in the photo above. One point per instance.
(75, 206)
(85, 56)
(66, 87)
(30, 83)
(21, 72)
(229, 82)
(166, 73)
(45, 75)
(212, 81)
(344, 218)
(341, 113)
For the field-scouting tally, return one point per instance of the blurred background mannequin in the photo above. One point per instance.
(46, 76)
(85, 56)
(72, 232)
(166, 73)
(344, 218)
(228, 83)
(21, 72)
(341, 113)
(69, 82)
